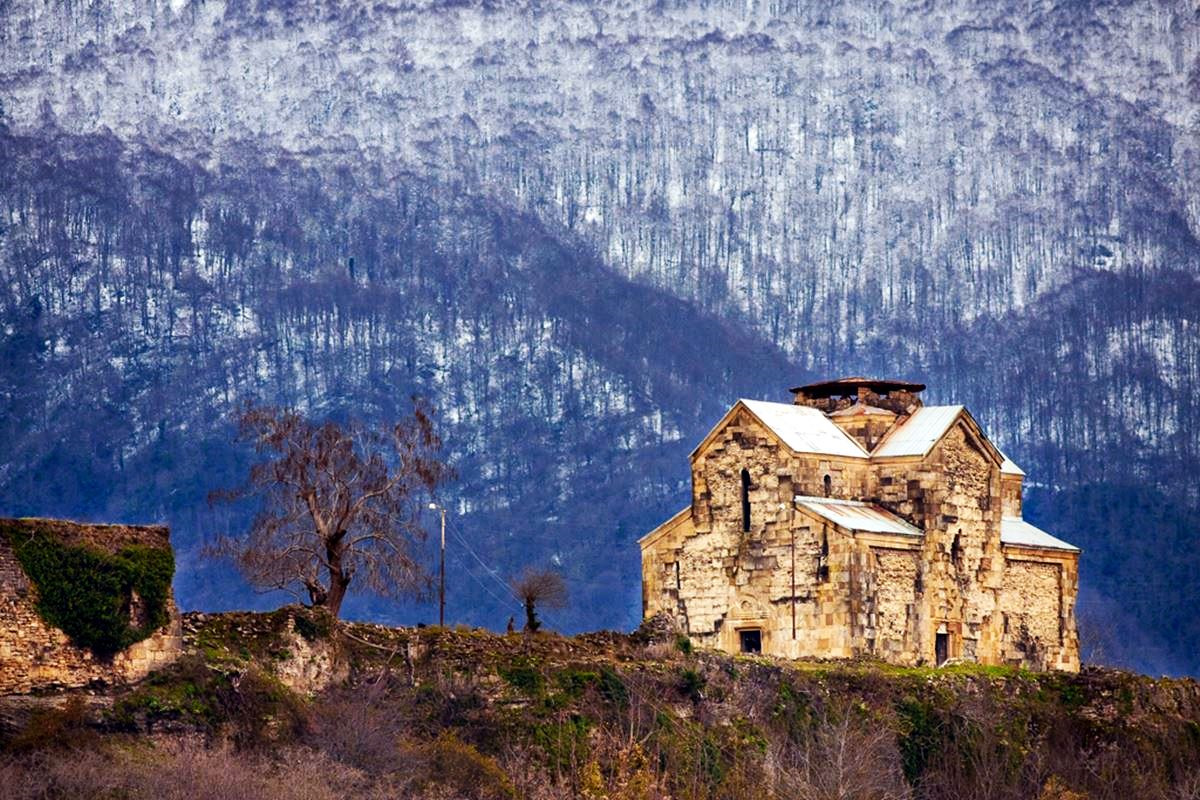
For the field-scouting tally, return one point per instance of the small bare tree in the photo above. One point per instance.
(539, 587)
(340, 503)
(845, 757)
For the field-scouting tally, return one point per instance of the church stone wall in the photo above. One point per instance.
(661, 570)
(732, 579)
(892, 632)
(1010, 495)
(953, 494)
(35, 655)
(1038, 614)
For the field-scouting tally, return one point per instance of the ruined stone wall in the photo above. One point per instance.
(897, 401)
(890, 597)
(661, 569)
(867, 429)
(1038, 609)
(34, 655)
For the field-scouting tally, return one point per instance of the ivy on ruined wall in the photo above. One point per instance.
(88, 593)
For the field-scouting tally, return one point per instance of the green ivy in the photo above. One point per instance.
(86, 592)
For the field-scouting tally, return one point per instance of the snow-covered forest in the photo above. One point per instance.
(582, 230)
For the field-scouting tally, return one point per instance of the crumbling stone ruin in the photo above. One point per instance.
(56, 574)
(859, 522)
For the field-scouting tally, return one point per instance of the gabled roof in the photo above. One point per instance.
(678, 517)
(805, 429)
(1016, 532)
(857, 516)
(1009, 467)
(800, 428)
(919, 433)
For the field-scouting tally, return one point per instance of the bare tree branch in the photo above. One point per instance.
(340, 501)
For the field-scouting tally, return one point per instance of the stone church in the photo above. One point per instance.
(858, 521)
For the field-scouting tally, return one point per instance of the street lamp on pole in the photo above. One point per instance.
(442, 577)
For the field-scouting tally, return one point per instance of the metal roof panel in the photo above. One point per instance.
(920, 432)
(1016, 531)
(857, 516)
(805, 429)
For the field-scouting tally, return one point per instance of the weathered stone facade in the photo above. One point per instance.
(862, 524)
(36, 656)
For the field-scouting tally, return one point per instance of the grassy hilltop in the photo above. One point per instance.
(287, 705)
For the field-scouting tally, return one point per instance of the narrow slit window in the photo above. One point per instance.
(745, 500)
(828, 485)
(823, 560)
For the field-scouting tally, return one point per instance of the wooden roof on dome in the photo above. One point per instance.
(847, 386)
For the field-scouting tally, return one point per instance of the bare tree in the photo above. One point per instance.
(539, 587)
(340, 503)
(845, 757)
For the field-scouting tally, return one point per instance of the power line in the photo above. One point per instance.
(486, 567)
(482, 585)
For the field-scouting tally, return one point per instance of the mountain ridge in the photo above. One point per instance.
(339, 207)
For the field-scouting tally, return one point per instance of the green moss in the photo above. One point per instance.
(87, 593)
(525, 677)
(313, 624)
(613, 688)
(921, 735)
(565, 742)
(187, 690)
(240, 638)
(253, 706)
(574, 681)
(793, 711)
(691, 684)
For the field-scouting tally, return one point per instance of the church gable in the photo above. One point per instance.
(966, 466)
(800, 429)
(734, 474)
(921, 433)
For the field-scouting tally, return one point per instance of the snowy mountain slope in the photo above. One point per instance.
(144, 298)
(999, 199)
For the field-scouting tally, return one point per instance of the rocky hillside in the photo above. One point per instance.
(288, 705)
(583, 229)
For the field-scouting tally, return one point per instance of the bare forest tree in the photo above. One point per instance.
(539, 587)
(340, 504)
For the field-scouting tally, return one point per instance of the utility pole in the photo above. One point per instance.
(442, 577)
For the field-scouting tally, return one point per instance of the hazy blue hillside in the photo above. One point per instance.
(583, 230)
(144, 297)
